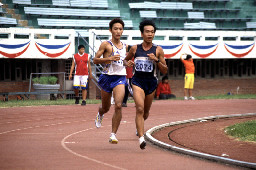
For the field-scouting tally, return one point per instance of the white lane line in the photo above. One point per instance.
(63, 144)
(25, 128)
(70, 142)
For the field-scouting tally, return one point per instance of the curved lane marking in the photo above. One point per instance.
(63, 144)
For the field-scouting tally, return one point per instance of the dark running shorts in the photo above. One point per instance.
(108, 82)
(149, 85)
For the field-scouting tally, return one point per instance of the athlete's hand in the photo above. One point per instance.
(115, 57)
(152, 56)
(70, 77)
(130, 63)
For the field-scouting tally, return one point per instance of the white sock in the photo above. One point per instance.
(112, 134)
(141, 139)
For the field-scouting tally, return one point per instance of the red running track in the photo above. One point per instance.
(65, 137)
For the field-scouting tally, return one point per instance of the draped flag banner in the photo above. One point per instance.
(172, 50)
(52, 51)
(48, 47)
(203, 51)
(239, 50)
(13, 50)
(36, 49)
(203, 44)
(211, 50)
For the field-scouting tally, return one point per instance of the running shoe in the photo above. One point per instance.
(191, 98)
(185, 98)
(83, 103)
(113, 139)
(98, 120)
(142, 142)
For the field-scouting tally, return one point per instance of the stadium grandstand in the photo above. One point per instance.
(200, 27)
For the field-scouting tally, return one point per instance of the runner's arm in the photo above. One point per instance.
(128, 59)
(98, 60)
(90, 68)
(161, 61)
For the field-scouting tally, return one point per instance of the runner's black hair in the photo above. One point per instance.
(145, 23)
(116, 20)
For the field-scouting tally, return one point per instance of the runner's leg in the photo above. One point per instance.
(139, 97)
(147, 104)
(105, 102)
(118, 93)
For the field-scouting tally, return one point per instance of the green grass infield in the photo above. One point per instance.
(18, 103)
(245, 131)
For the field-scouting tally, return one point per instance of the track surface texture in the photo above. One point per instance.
(65, 137)
(195, 136)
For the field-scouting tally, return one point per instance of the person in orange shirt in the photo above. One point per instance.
(163, 90)
(189, 76)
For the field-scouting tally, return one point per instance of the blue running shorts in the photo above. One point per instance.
(149, 85)
(108, 82)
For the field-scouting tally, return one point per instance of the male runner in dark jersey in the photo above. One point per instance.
(147, 56)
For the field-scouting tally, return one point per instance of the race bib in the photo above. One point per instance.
(119, 62)
(143, 64)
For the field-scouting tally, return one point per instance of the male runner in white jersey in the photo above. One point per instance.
(113, 77)
(147, 56)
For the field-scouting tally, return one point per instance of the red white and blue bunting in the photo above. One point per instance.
(211, 50)
(42, 49)
(239, 50)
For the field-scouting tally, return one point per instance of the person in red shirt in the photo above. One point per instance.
(82, 66)
(163, 90)
(189, 76)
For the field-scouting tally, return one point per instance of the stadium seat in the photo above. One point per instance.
(207, 1)
(60, 2)
(81, 3)
(200, 25)
(89, 3)
(78, 23)
(161, 5)
(195, 15)
(8, 21)
(25, 2)
(71, 12)
(146, 14)
(250, 24)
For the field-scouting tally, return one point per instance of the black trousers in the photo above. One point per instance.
(166, 96)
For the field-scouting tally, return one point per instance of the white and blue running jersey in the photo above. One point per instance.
(116, 67)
